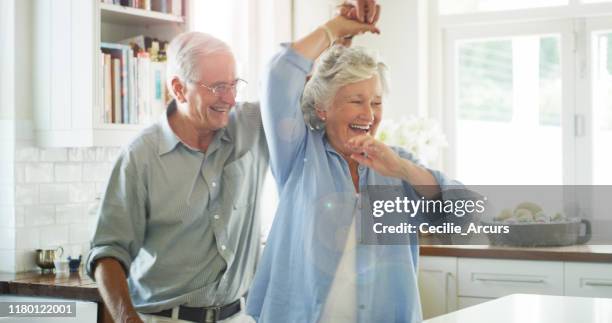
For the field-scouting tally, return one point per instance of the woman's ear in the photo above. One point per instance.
(178, 89)
(322, 114)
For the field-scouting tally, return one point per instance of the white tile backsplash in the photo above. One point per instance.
(26, 154)
(79, 233)
(53, 200)
(54, 193)
(82, 192)
(28, 238)
(53, 236)
(82, 154)
(38, 215)
(70, 213)
(68, 172)
(96, 172)
(39, 173)
(54, 154)
(26, 194)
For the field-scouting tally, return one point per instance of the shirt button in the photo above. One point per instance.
(223, 247)
(214, 184)
(360, 168)
(216, 216)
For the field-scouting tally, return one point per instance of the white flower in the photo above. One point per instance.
(421, 136)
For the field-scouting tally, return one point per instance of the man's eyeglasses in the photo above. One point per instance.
(224, 88)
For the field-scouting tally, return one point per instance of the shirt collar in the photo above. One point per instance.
(168, 139)
(328, 146)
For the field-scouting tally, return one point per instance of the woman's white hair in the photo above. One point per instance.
(336, 67)
(186, 50)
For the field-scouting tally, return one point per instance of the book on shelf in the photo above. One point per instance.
(121, 102)
(116, 86)
(133, 89)
(107, 89)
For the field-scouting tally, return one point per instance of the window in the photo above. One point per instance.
(509, 102)
(528, 101)
(602, 107)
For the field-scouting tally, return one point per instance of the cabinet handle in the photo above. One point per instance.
(502, 280)
(597, 284)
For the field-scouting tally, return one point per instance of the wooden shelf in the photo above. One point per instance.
(133, 16)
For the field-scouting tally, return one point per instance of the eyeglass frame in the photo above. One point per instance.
(217, 92)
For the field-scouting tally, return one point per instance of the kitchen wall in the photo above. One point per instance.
(48, 197)
(56, 198)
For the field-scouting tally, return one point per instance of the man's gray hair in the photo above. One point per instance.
(186, 50)
(336, 67)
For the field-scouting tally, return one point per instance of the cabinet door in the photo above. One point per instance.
(497, 278)
(437, 285)
(63, 66)
(588, 279)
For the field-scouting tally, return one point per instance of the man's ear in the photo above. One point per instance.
(178, 88)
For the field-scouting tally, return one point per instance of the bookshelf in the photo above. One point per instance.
(115, 14)
(68, 100)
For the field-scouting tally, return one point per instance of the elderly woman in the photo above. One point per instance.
(322, 153)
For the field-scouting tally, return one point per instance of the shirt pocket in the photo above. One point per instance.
(238, 182)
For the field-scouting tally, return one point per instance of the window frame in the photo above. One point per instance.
(574, 23)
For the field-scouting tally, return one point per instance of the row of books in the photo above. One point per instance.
(133, 83)
(174, 7)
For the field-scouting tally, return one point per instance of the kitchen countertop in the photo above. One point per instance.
(582, 253)
(65, 285)
(80, 286)
(522, 308)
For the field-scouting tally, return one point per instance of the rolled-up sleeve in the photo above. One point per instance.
(283, 84)
(446, 184)
(121, 224)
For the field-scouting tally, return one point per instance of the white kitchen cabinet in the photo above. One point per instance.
(447, 284)
(588, 279)
(491, 278)
(66, 54)
(437, 285)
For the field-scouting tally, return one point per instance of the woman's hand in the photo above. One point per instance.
(366, 11)
(376, 155)
(342, 27)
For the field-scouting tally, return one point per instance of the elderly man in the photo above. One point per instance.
(178, 218)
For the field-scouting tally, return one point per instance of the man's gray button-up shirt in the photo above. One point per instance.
(183, 223)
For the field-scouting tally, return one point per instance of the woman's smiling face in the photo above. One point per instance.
(355, 110)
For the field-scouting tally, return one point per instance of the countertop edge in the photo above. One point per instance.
(516, 254)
